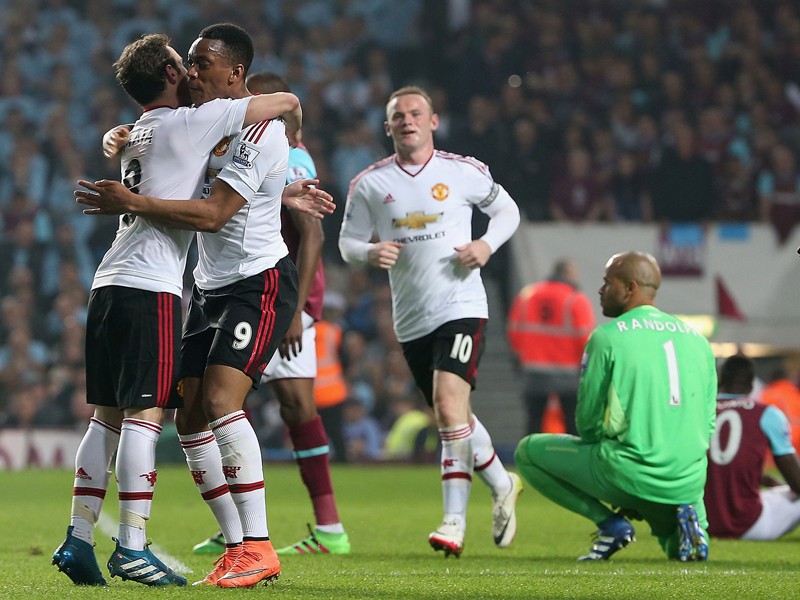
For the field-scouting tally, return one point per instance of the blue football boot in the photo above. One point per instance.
(141, 566)
(76, 558)
(614, 533)
(693, 544)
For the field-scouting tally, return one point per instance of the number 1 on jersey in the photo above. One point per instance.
(674, 374)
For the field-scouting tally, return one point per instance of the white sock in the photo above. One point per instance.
(457, 466)
(336, 528)
(92, 474)
(487, 464)
(244, 472)
(205, 463)
(136, 480)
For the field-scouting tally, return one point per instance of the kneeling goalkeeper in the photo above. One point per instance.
(645, 415)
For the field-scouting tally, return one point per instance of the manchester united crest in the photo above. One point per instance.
(223, 146)
(440, 191)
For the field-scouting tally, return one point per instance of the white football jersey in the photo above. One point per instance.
(254, 164)
(430, 212)
(166, 157)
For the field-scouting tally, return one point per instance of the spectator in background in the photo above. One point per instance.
(22, 250)
(632, 200)
(330, 390)
(358, 305)
(28, 172)
(22, 208)
(779, 192)
(483, 136)
(349, 93)
(578, 196)
(355, 152)
(25, 406)
(524, 171)
(547, 329)
(408, 437)
(782, 393)
(605, 156)
(23, 360)
(577, 72)
(362, 434)
(737, 194)
(683, 189)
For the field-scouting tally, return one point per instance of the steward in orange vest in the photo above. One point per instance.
(329, 386)
(547, 328)
(782, 393)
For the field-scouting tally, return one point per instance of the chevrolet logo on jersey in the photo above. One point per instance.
(416, 220)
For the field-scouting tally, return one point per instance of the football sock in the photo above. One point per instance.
(487, 464)
(92, 474)
(205, 463)
(310, 443)
(244, 472)
(136, 480)
(457, 466)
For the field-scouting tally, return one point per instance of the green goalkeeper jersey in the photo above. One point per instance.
(647, 398)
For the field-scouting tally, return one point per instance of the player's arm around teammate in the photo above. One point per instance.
(285, 106)
(208, 215)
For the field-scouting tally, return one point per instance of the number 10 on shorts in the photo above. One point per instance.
(462, 347)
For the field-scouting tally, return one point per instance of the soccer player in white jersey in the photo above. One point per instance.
(292, 370)
(243, 301)
(132, 359)
(419, 202)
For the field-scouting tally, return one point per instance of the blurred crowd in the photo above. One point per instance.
(640, 110)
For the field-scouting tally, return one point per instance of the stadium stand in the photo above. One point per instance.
(628, 110)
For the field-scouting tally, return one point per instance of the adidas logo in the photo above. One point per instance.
(81, 474)
(388, 199)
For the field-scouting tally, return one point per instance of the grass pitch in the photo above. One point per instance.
(388, 512)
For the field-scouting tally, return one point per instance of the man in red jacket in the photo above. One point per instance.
(548, 326)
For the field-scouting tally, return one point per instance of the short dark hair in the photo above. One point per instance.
(237, 42)
(411, 90)
(736, 374)
(141, 68)
(267, 83)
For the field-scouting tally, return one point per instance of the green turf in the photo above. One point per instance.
(388, 512)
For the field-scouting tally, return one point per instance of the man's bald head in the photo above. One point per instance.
(631, 280)
(640, 267)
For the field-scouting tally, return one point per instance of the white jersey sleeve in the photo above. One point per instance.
(503, 217)
(492, 200)
(243, 172)
(357, 226)
(212, 121)
(479, 185)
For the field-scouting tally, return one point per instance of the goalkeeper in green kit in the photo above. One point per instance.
(645, 415)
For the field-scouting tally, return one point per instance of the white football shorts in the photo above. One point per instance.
(302, 366)
(780, 514)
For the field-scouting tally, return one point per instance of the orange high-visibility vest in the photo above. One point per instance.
(548, 326)
(784, 395)
(329, 385)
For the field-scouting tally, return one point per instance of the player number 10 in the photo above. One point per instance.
(674, 374)
(462, 347)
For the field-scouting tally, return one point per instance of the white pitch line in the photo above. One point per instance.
(109, 527)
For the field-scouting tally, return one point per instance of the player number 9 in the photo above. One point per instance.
(243, 332)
